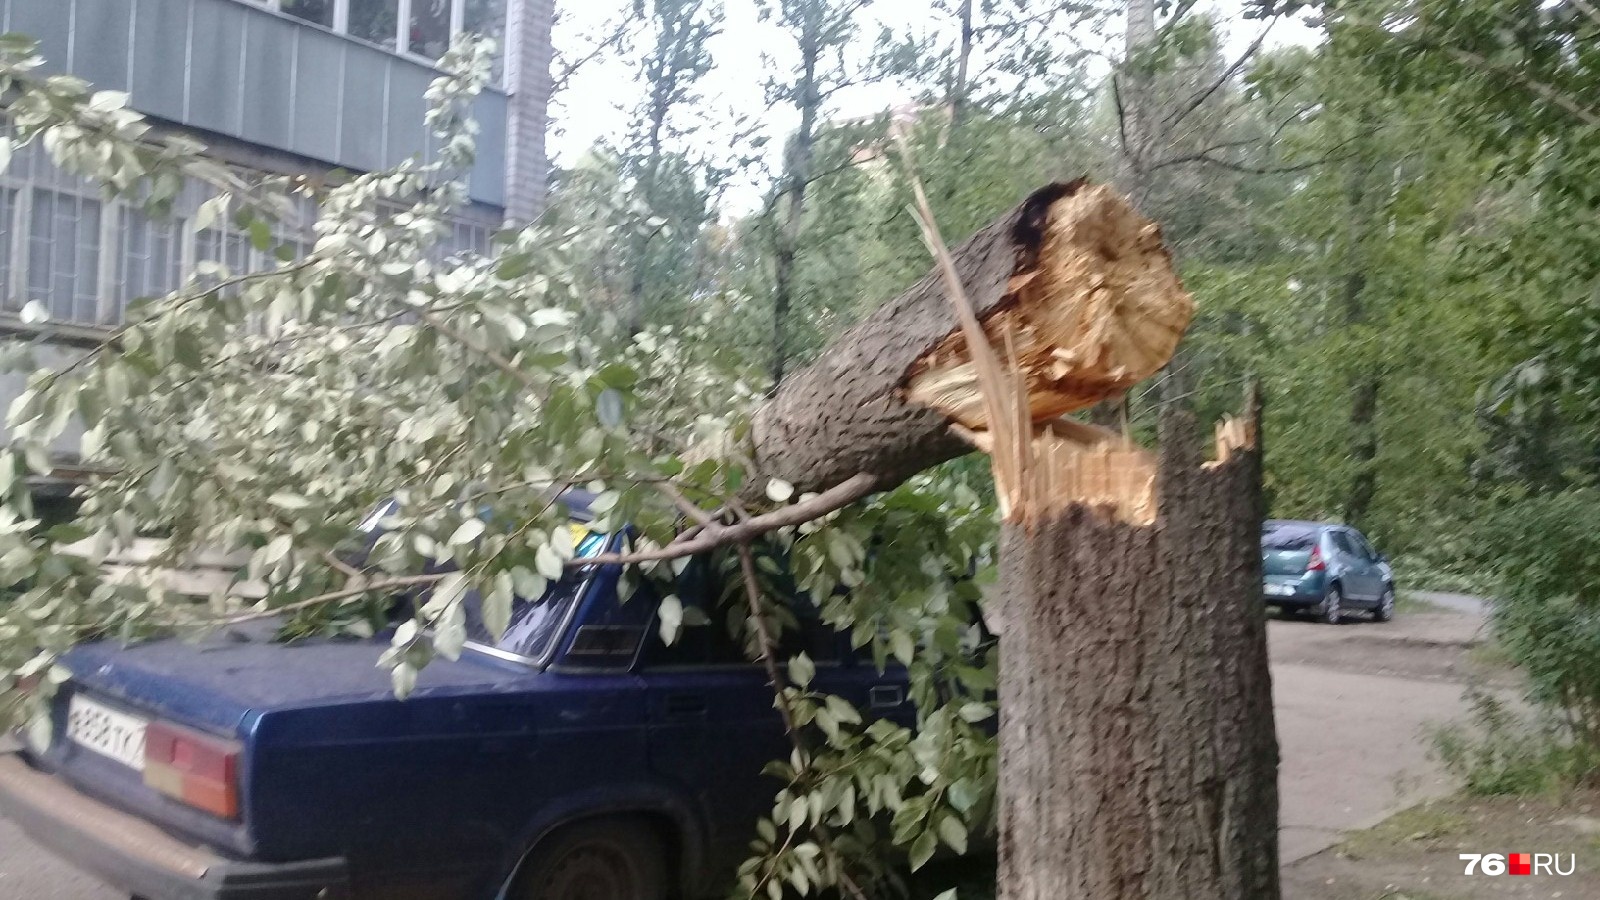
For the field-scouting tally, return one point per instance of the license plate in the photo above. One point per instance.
(1279, 590)
(111, 733)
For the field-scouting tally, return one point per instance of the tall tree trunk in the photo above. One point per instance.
(797, 177)
(1136, 92)
(1363, 447)
(1137, 146)
(1365, 380)
(957, 99)
(647, 192)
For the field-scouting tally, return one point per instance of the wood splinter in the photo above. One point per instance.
(1096, 310)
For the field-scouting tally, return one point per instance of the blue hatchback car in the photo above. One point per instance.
(578, 757)
(1325, 569)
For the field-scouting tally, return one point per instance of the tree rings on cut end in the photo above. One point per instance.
(1100, 310)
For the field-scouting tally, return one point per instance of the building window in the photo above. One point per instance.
(377, 21)
(319, 12)
(226, 248)
(488, 19)
(64, 256)
(53, 228)
(149, 258)
(429, 34)
(418, 27)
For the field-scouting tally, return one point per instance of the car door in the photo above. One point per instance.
(1355, 570)
(711, 723)
(1375, 564)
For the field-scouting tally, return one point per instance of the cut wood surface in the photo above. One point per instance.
(1099, 311)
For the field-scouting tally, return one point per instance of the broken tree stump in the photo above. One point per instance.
(1138, 754)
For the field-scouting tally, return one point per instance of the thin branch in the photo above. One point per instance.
(768, 649)
(769, 659)
(1122, 119)
(343, 567)
(1534, 86)
(1222, 79)
(567, 70)
(685, 505)
(345, 593)
(1540, 89)
(709, 538)
(1248, 169)
(504, 364)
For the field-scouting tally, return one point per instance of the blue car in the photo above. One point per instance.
(1325, 569)
(578, 757)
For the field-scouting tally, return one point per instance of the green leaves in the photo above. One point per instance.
(801, 670)
(670, 616)
(779, 491)
(469, 531)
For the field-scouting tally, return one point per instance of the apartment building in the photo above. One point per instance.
(280, 86)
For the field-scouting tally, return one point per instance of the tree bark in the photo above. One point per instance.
(1138, 758)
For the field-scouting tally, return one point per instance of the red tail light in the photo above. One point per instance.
(201, 771)
(1315, 563)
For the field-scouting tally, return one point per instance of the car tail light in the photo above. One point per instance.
(1316, 563)
(198, 770)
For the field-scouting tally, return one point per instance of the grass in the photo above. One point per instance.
(1407, 603)
(1427, 822)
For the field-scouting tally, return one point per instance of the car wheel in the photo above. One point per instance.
(1332, 605)
(602, 859)
(1385, 609)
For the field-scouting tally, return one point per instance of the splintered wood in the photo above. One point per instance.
(1095, 311)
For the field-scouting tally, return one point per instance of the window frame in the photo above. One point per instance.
(402, 36)
(31, 171)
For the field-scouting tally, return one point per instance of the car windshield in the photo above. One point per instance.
(536, 623)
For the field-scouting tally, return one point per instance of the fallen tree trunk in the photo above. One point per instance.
(1067, 260)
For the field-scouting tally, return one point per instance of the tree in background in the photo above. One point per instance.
(823, 32)
(674, 62)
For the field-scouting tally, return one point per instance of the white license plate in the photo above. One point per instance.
(108, 732)
(1279, 590)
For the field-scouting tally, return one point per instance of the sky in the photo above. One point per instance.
(598, 102)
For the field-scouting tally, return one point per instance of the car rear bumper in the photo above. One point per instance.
(134, 856)
(1293, 601)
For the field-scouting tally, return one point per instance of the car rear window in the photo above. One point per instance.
(1287, 537)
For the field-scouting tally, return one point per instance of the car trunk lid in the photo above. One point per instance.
(214, 683)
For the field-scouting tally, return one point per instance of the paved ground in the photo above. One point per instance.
(1353, 707)
(1353, 703)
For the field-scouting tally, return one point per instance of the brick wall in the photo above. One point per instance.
(528, 53)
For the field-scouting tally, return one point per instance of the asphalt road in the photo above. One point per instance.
(1352, 706)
